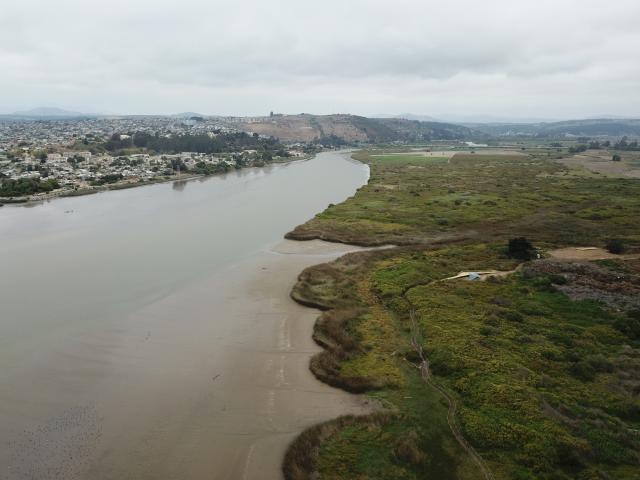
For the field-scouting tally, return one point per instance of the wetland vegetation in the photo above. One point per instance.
(538, 371)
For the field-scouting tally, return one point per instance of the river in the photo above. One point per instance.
(147, 333)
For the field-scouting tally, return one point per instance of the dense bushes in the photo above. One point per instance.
(520, 248)
(223, 142)
(27, 186)
(615, 246)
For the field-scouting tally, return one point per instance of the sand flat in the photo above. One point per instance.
(150, 333)
(211, 381)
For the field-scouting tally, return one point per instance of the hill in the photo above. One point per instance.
(577, 128)
(353, 128)
(45, 113)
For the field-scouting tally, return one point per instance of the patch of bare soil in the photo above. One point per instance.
(590, 281)
(306, 128)
(600, 162)
(581, 254)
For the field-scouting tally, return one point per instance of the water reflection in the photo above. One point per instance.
(180, 185)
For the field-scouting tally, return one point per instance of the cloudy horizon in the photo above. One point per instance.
(466, 59)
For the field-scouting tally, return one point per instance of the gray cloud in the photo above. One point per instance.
(546, 58)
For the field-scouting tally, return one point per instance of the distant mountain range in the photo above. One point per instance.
(188, 115)
(615, 127)
(404, 127)
(48, 113)
(352, 128)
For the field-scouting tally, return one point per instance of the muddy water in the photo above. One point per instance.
(148, 333)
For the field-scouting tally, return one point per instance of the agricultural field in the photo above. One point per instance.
(534, 374)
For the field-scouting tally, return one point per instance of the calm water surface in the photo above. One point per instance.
(77, 271)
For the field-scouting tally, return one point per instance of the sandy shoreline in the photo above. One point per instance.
(211, 381)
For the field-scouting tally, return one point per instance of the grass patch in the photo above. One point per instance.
(408, 159)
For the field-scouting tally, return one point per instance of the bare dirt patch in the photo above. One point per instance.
(591, 281)
(599, 162)
(585, 254)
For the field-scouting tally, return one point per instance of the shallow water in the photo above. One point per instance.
(148, 333)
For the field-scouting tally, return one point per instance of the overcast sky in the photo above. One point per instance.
(514, 58)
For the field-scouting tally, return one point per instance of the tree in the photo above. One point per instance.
(521, 248)
(26, 186)
(578, 149)
(615, 246)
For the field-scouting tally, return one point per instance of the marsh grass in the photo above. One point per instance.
(547, 387)
(478, 196)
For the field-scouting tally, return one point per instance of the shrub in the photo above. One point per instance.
(520, 248)
(630, 326)
(407, 450)
(512, 316)
(583, 371)
(600, 363)
(629, 410)
(615, 246)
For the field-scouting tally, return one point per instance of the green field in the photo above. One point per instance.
(408, 159)
(544, 377)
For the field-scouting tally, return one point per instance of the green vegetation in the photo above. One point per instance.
(541, 366)
(615, 246)
(26, 186)
(520, 248)
(624, 144)
(106, 179)
(221, 142)
(480, 196)
(409, 159)
(542, 380)
(578, 149)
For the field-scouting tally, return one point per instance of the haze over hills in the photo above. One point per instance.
(578, 128)
(354, 128)
(50, 112)
(347, 128)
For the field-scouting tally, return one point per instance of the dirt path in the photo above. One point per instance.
(425, 373)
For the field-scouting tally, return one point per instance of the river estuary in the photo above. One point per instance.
(148, 333)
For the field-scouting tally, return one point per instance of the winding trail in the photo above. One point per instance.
(425, 373)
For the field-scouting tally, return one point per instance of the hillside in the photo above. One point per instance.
(352, 128)
(577, 128)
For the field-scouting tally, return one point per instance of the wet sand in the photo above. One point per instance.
(209, 382)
